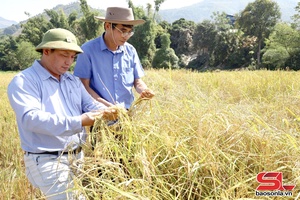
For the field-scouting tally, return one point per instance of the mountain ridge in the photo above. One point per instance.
(6, 22)
(205, 9)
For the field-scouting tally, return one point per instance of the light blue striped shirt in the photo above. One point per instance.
(48, 111)
(111, 74)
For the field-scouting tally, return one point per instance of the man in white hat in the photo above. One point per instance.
(110, 67)
(52, 107)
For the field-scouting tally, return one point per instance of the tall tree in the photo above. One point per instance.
(282, 48)
(182, 32)
(203, 44)
(161, 29)
(8, 60)
(143, 39)
(87, 27)
(34, 29)
(228, 43)
(204, 37)
(258, 19)
(218, 44)
(165, 57)
(157, 4)
(57, 19)
(25, 55)
(296, 17)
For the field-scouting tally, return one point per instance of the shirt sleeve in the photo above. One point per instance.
(89, 103)
(83, 66)
(138, 68)
(25, 99)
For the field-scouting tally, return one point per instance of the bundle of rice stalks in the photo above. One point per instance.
(110, 152)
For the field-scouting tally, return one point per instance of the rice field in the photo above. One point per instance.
(203, 136)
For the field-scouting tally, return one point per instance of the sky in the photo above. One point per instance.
(15, 9)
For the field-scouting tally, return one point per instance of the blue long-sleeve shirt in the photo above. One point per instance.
(111, 74)
(48, 111)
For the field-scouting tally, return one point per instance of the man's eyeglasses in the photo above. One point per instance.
(125, 34)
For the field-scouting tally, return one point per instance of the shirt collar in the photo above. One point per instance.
(45, 74)
(103, 46)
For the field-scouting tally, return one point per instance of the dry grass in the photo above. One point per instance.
(13, 184)
(203, 136)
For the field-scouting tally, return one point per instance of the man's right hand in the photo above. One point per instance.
(88, 118)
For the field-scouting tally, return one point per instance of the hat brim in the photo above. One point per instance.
(59, 45)
(125, 22)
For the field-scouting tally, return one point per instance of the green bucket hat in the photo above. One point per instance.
(59, 38)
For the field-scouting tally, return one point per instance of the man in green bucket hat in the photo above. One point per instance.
(52, 108)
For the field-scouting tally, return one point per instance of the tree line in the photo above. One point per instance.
(253, 39)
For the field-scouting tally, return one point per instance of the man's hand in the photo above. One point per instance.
(111, 113)
(88, 118)
(147, 93)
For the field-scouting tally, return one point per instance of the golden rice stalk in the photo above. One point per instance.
(136, 106)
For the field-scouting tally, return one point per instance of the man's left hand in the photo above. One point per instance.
(147, 93)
